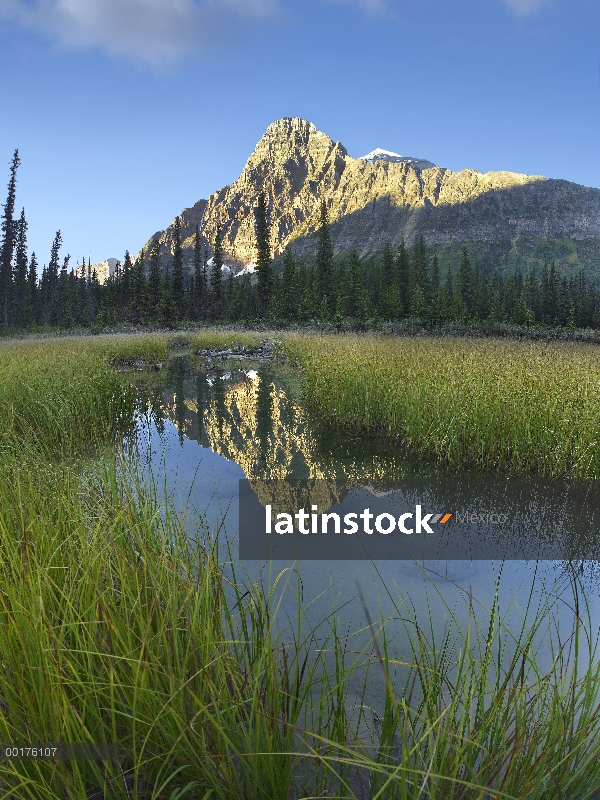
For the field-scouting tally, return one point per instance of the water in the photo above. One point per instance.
(205, 429)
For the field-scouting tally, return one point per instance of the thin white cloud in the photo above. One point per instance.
(153, 31)
(524, 8)
(368, 5)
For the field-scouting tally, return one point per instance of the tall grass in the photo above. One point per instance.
(56, 399)
(494, 405)
(149, 347)
(115, 626)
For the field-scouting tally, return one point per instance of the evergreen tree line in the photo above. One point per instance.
(403, 283)
(139, 291)
(406, 283)
(25, 298)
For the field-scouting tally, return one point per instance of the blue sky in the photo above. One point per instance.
(126, 111)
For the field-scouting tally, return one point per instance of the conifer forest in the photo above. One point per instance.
(344, 290)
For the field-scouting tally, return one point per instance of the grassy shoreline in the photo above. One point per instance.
(114, 627)
(409, 327)
(517, 407)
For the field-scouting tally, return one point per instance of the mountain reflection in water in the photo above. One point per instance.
(247, 416)
(204, 430)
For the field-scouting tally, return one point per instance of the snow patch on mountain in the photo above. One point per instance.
(386, 155)
(249, 269)
(225, 269)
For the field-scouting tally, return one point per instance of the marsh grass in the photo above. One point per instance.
(520, 407)
(222, 338)
(55, 401)
(117, 626)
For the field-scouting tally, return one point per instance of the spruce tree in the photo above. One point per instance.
(139, 309)
(403, 276)
(32, 292)
(365, 308)
(435, 276)
(571, 319)
(96, 307)
(177, 278)
(205, 282)
(388, 268)
(199, 277)
(449, 286)
(7, 247)
(482, 297)
(166, 310)
(52, 305)
(544, 295)
(236, 308)
(465, 280)
(74, 290)
(419, 276)
(341, 291)
(20, 280)
(107, 298)
(476, 288)
(190, 298)
(82, 292)
(229, 303)
(125, 286)
(216, 277)
(496, 298)
(264, 266)
(438, 307)
(324, 261)
(392, 302)
(44, 297)
(311, 299)
(53, 263)
(71, 300)
(64, 302)
(535, 294)
(375, 284)
(563, 302)
(288, 286)
(247, 298)
(304, 292)
(355, 285)
(418, 304)
(553, 294)
(460, 310)
(154, 279)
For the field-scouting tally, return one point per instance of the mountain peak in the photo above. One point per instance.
(288, 126)
(387, 155)
(291, 138)
(370, 203)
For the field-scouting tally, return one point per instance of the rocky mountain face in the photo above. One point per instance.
(376, 198)
(103, 269)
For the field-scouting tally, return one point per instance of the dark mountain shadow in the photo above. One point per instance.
(545, 208)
